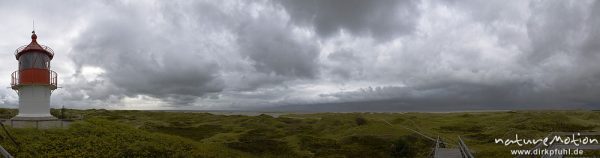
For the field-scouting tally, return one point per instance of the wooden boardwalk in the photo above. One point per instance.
(447, 153)
(440, 150)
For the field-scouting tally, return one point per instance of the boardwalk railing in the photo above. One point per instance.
(442, 149)
(5, 153)
(464, 149)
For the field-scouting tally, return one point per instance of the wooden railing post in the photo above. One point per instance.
(466, 153)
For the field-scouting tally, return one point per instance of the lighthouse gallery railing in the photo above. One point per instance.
(46, 48)
(52, 76)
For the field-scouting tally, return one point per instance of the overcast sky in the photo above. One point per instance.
(246, 54)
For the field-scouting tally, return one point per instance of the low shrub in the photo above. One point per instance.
(320, 147)
(262, 141)
(360, 121)
(97, 137)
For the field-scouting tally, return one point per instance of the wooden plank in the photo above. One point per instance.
(447, 153)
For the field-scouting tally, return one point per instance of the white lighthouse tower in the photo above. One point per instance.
(34, 81)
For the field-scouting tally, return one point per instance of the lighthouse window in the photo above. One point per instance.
(34, 60)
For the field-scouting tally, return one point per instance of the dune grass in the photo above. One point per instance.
(107, 133)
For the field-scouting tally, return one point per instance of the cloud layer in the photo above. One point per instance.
(269, 53)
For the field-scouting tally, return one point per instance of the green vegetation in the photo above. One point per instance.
(107, 133)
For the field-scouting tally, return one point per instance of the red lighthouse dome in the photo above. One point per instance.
(34, 47)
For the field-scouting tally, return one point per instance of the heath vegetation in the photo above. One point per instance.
(122, 133)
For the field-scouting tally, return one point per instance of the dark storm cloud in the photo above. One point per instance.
(139, 60)
(342, 59)
(381, 19)
(550, 36)
(275, 51)
(191, 51)
(448, 94)
(564, 48)
(556, 67)
(248, 54)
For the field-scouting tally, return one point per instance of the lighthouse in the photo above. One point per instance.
(34, 81)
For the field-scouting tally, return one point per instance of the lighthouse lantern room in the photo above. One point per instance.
(34, 81)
